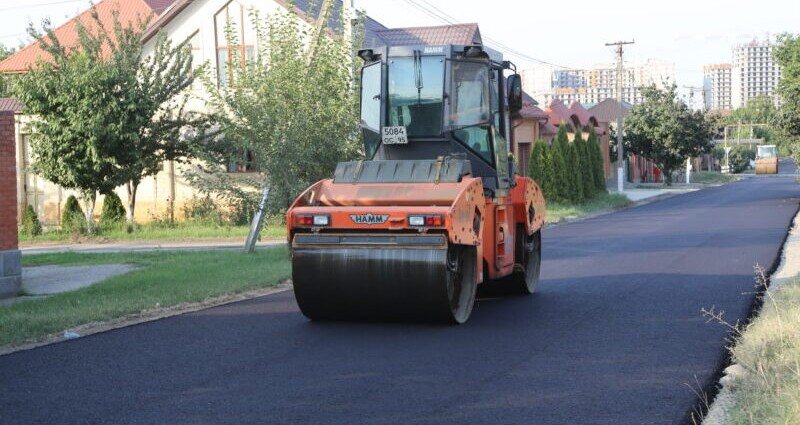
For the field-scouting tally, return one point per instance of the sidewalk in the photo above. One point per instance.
(134, 246)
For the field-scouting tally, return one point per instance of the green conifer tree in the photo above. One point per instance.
(598, 173)
(587, 166)
(561, 175)
(574, 167)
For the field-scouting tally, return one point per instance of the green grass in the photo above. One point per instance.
(179, 232)
(712, 177)
(557, 211)
(163, 279)
(769, 350)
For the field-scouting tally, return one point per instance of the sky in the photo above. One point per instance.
(690, 33)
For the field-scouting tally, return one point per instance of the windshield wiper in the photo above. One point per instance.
(418, 75)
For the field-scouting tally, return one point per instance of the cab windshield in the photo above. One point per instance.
(416, 94)
(767, 152)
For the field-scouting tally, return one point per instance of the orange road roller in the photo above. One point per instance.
(436, 208)
(767, 159)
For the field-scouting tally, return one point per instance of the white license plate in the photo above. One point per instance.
(394, 136)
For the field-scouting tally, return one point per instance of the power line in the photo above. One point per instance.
(442, 16)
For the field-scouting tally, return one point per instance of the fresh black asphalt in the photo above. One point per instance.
(614, 336)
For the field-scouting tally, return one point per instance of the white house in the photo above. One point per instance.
(200, 22)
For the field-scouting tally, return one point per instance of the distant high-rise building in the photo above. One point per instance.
(717, 87)
(593, 85)
(753, 72)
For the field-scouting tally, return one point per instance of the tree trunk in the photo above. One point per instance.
(90, 198)
(133, 187)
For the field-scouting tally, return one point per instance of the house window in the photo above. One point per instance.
(234, 37)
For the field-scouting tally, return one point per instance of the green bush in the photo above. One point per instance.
(31, 226)
(598, 172)
(73, 219)
(113, 212)
(740, 157)
(204, 211)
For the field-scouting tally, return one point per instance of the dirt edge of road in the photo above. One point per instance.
(782, 272)
(144, 317)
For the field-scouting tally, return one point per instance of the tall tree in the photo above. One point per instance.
(665, 130)
(295, 121)
(598, 173)
(561, 173)
(106, 114)
(787, 54)
(540, 168)
(576, 168)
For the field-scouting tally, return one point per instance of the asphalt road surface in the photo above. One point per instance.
(614, 336)
(787, 166)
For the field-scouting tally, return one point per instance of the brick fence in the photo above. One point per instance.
(10, 258)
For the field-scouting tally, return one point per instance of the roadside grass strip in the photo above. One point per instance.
(161, 280)
(768, 389)
(154, 231)
(712, 177)
(557, 212)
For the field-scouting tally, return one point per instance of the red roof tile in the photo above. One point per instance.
(584, 117)
(548, 129)
(10, 104)
(558, 113)
(606, 111)
(532, 112)
(129, 12)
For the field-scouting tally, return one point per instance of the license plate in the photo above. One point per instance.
(394, 136)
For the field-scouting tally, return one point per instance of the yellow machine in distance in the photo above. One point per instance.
(767, 159)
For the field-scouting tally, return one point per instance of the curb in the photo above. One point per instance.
(144, 317)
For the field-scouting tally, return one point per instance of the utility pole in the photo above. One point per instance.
(692, 90)
(620, 165)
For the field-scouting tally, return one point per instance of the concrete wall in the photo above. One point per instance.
(10, 258)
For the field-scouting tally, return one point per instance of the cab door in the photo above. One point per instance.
(504, 209)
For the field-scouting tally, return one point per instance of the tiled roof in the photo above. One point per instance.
(159, 6)
(10, 104)
(532, 112)
(584, 117)
(606, 111)
(463, 34)
(548, 129)
(528, 100)
(558, 113)
(129, 12)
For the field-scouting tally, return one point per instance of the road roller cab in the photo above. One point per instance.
(767, 159)
(435, 208)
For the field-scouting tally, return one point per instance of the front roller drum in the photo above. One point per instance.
(383, 278)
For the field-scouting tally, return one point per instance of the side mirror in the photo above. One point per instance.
(514, 93)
